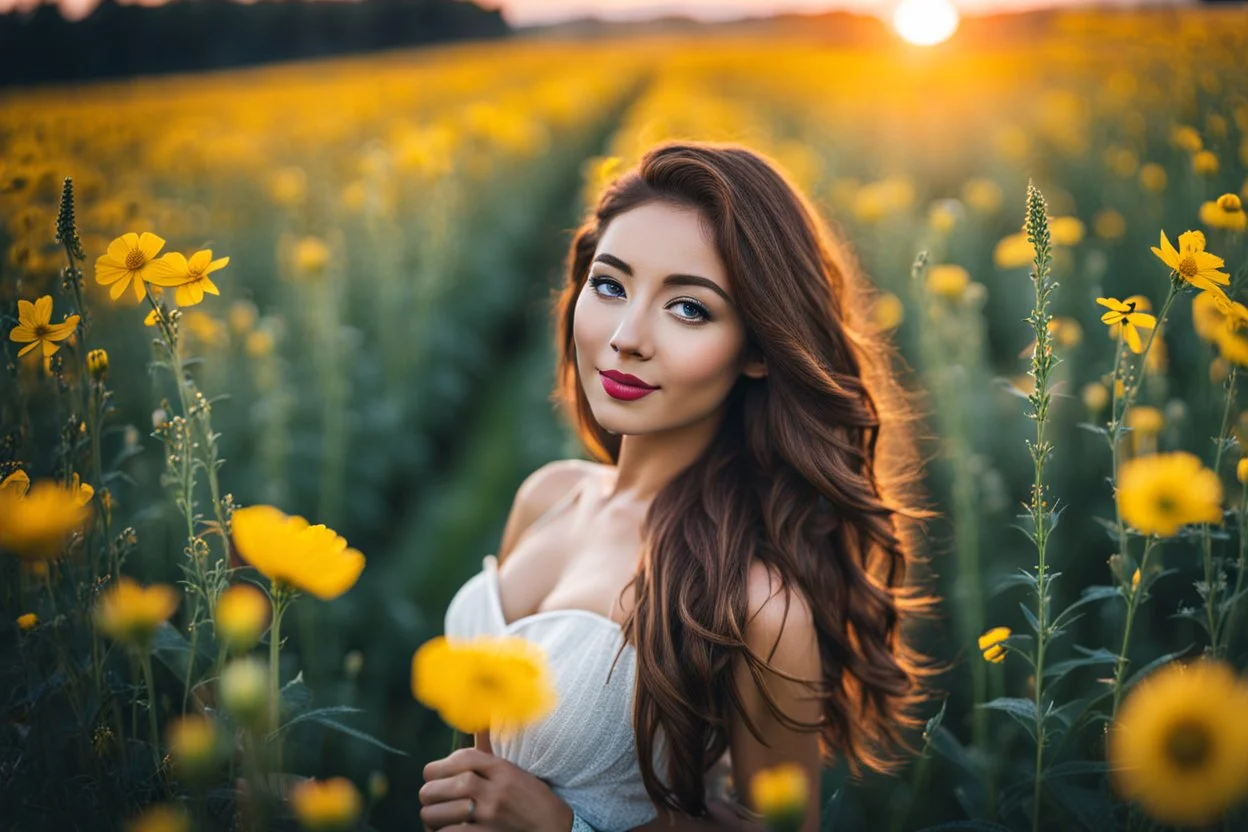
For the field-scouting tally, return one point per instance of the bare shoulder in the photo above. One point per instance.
(778, 616)
(538, 494)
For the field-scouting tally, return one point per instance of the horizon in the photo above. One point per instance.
(532, 13)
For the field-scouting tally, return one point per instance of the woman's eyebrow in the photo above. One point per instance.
(670, 280)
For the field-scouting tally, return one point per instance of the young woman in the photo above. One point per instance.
(723, 587)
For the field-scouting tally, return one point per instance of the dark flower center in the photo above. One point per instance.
(1188, 268)
(1188, 744)
(135, 259)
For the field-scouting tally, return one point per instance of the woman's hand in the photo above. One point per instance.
(508, 798)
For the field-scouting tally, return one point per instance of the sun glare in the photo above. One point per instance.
(925, 22)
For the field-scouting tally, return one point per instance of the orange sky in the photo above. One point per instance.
(530, 12)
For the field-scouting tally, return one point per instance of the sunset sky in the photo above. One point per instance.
(534, 12)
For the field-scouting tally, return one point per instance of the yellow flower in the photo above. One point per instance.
(97, 364)
(497, 683)
(35, 327)
(241, 615)
(326, 805)
(1135, 580)
(288, 186)
(152, 317)
(1192, 263)
(1185, 137)
(887, 312)
(1159, 493)
(129, 258)
(243, 689)
(1205, 163)
(287, 549)
(1122, 314)
(242, 316)
(82, 491)
(193, 745)
(35, 523)
(1109, 224)
(165, 817)
(1179, 746)
(984, 195)
(1241, 471)
(189, 276)
(1213, 215)
(131, 613)
(1013, 251)
(948, 281)
(27, 621)
(1066, 330)
(1145, 419)
(311, 255)
(780, 792)
(259, 343)
(990, 644)
(1066, 231)
(18, 481)
(1230, 203)
(1095, 397)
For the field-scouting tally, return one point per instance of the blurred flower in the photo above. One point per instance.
(189, 276)
(19, 481)
(241, 615)
(288, 186)
(1159, 493)
(1095, 397)
(1230, 203)
(35, 327)
(1186, 138)
(1013, 251)
(1153, 177)
(499, 683)
(311, 255)
(354, 195)
(780, 793)
(97, 364)
(27, 621)
(887, 311)
(131, 613)
(1123, 315)
(1066, 231)
(163, 817)
(1108, 224)
(1192, 263)
(204, 328)
(352, 664)
(1145, 423)
(943, 215)
(193, 745)
(1183, 761)
(984, 195)
(259, 343)
(242, 316)
(287, 549)
(81, 491)
(243, 689)
(35, 523)
(378, 786)
(948, 280)
(129, 258)
(1135, 580)
(326, 805)
(990, 644)
(1241, 471)
(1213, 215)
(1205, 163)
(1066, 330)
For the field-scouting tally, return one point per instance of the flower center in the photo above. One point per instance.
(1188, 268)
(42, 331)
(1166, 505)
(1188, 745)
(135, 259)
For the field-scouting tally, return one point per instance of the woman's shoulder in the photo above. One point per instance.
(540, 492)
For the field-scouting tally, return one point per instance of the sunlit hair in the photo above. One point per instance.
(808, 472)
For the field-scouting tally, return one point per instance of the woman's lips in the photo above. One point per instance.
(625, 392)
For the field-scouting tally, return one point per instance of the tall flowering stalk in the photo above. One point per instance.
(1043, 516)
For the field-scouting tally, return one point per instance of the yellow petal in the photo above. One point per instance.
(1113, 303)
(994, 636)
(1111, 318)
(140, 289)
(1192, 241)
(28, 348)
(1142, 320)
(1133, 338)
(108, 271)
(150, 245)
(209, 287)
(43, 310)
(200, 260)
(219, 263)
(61, 331)
(169, 270)
(119, 287)
(189, 294)
(120, 248)
(26, 312)
(49, 347)
(22, 333)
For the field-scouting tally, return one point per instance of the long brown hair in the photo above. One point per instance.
(808, 473)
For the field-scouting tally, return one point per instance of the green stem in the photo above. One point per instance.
(1211, 616)
(1226, 633)
(280, 597)
(1121, 666)
(145, 658)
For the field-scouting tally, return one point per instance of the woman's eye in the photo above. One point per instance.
(699, 312)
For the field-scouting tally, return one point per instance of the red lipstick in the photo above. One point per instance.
(624, 386)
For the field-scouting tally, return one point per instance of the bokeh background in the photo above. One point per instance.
(380, 356)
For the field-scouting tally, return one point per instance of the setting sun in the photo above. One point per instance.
(925, 22)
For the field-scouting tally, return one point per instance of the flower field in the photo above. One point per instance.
(252, 437)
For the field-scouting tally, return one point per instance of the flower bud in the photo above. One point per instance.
(29, 620)
(378, 786)
(193, 746)
(241, 615)
(326, 805)
(352, 664)
(243, 691)
(780, 793)
(1241, 471)
(97, 364)
(163, 817)
(1230, 203)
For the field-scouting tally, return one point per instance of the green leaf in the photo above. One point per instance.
(295, 696)
(1023, 711)
(1090, 657)
(173, 650)
(1072, 768)
(1091, 428)
(1091, 593)
(1031, 618)
(1153, 665)
(357, 733)
(1110, 527)
(1023, 578)
(328, 710)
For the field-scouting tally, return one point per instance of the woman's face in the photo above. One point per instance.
(657, 305)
